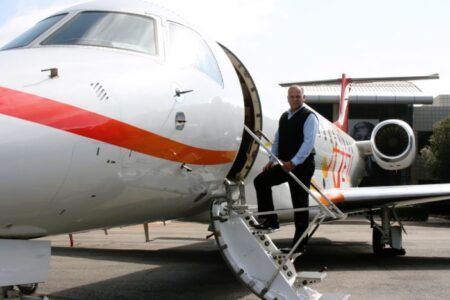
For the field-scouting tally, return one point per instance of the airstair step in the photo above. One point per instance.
(262, 231)
(240, 209)
(307, 278)
(281, 256)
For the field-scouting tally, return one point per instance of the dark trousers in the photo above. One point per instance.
(275, 176)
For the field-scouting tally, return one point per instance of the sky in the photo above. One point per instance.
(288, 40)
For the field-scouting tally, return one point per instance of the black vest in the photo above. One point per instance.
(291, 135)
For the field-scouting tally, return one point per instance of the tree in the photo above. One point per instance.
(437, 154)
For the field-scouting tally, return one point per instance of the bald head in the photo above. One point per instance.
(296, 97)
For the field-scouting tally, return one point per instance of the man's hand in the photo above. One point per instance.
(269, 166)
(288, 166)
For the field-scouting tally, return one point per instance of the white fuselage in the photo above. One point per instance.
(98, 146)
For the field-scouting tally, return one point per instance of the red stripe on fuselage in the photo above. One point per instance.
(94, 126)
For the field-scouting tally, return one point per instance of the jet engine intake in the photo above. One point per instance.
(393, 145)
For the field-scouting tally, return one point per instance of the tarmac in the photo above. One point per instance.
(179, 263)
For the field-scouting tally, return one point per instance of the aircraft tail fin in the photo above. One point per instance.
(342, 121)
(345, 83)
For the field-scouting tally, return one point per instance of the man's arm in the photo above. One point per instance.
(310, 129)
(275, 146)
(272, 160)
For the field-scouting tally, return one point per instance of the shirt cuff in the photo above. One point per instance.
(296, 161)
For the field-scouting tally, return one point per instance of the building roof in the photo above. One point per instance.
(425, 116)
(442, 100)
(394, 92)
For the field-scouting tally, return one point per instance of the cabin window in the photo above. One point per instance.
(187, 49)
(107, 29)
(30, 35)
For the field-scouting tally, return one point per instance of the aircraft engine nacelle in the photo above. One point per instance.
(393, 145)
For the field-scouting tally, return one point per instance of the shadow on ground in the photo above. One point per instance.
(183, 273)
(355, 256)
(197, 271)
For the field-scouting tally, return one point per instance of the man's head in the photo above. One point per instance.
(296, 97)
(362, 131)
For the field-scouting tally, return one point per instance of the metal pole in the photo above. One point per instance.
(147, 236)
(278, 211)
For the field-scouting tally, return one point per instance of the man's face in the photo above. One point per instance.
(362, 134)
(295, 98)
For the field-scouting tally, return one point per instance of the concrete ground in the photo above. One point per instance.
(178, 263)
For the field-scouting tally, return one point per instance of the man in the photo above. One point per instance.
(293, 145)
(362, 131)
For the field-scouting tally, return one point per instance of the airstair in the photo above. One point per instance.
(251, 254)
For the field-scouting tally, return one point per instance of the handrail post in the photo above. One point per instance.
(242, 193)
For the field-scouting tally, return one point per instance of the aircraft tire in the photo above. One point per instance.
(380, 249)
(4, 291)
(28, 289)
(377, 246)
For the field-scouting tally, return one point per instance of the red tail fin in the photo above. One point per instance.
(342, 121)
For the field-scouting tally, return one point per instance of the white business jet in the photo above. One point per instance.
(119, 112)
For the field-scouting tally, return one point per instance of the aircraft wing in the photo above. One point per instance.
(366, 198)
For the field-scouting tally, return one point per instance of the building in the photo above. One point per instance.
(424, 118)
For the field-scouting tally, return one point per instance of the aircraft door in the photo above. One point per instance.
(199, 111)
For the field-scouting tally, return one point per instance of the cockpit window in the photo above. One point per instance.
(107, 29)
(188, 49)
(30, 35)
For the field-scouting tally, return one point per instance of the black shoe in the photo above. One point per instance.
(266, 226)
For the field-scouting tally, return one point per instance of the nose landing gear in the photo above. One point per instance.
(24, 263)
(23, 292)
(28, 289)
